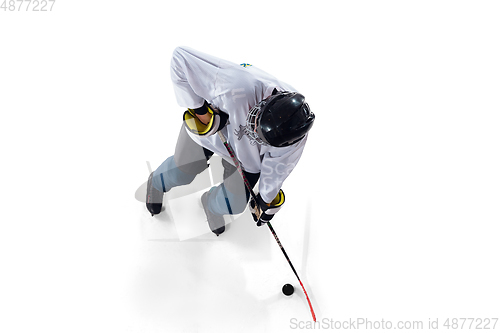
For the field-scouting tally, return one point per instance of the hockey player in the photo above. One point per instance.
(264, 120)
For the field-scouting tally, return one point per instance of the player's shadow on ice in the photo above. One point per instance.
(240, 229)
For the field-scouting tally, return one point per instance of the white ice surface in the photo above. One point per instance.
(243, 268)
(392, 212)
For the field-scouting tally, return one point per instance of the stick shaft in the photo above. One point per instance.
(293, 268)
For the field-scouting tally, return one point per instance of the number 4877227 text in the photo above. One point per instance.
(27, 5)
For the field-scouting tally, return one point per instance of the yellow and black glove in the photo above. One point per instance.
(263, 212)
(217, 120)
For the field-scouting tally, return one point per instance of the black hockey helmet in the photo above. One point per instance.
(280, 120)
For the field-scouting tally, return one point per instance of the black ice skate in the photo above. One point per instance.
(154, 198)
(215, 222)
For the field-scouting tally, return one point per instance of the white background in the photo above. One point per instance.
(395, 201)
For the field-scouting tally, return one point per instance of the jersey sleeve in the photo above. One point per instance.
(276, 167)
(194, 76)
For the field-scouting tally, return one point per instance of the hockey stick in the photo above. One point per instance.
(247, 184)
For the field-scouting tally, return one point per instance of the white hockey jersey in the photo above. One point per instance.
(234, 89)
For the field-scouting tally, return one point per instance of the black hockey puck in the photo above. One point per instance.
(287, 289)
